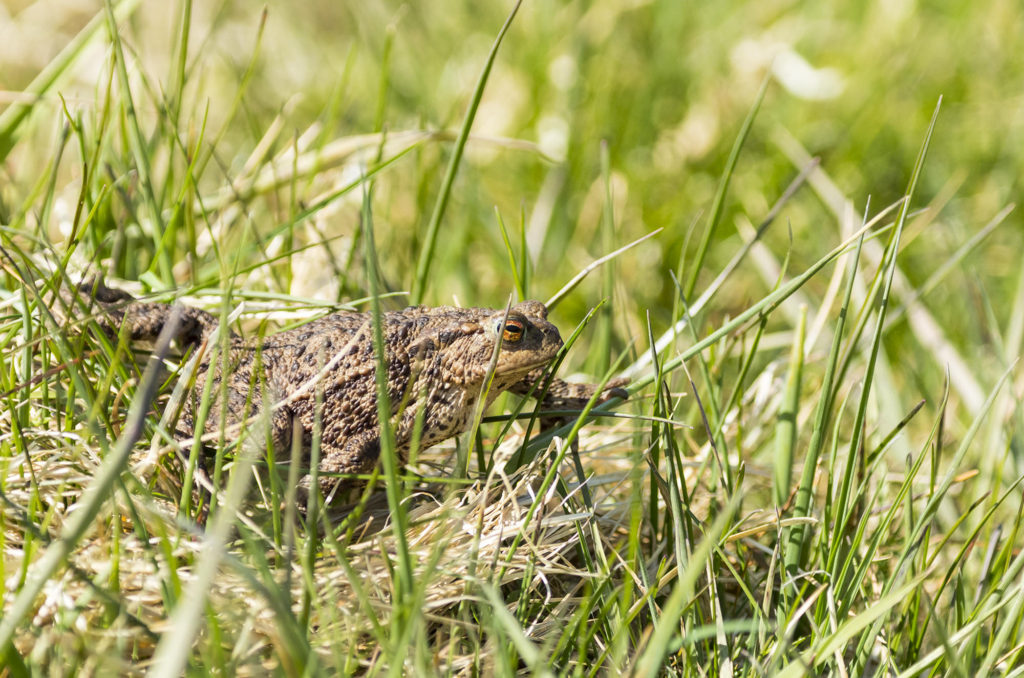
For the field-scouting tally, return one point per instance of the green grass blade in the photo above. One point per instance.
(723, 189)
(401, 610)
(92, 500)
(785, 428)
(666, 628)
(15, 116)
(426, 258)
(796, 544)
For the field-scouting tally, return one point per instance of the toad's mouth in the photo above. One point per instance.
(527, 367)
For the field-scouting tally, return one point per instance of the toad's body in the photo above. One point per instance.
(437, 361)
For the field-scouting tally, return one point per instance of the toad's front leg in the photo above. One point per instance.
(564, 395)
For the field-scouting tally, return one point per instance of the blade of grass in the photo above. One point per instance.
(185, 621)
(140, 149)
(785, 428)
(12, 119)
(846, 509)
(401, 604)
(528, 652)
(795, 543)
(847, 632)
(576, 279)
(1010, 590)
(723, 188)
(669, 335)
(513, 268)
(85, 511)
(666, 626)
(764, 306)
(426, 259)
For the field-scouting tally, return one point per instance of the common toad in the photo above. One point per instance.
(437, 361)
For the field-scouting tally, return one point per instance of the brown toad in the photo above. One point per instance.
(437, 362)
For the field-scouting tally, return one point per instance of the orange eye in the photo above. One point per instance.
(514, 330)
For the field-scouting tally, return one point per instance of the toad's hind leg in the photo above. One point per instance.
(339, 463)
(143, 320)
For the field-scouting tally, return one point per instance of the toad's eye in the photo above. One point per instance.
(513, 330)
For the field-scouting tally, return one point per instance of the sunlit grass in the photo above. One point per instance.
(816, 471)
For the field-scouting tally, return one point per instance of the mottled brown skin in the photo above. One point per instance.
(437, 361)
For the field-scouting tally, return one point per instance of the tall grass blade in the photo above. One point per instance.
(426, 258)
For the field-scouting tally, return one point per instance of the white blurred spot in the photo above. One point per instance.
(500, 113)
(62, 213)
(804, 80)
(791, 70)
(693, 137)
(553, 136)
(562, 72)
